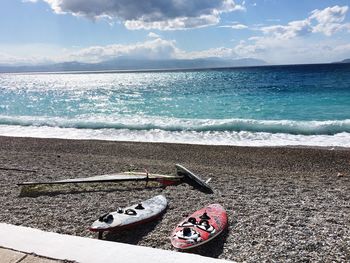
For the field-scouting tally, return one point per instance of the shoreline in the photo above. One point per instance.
(178, 143)
(283, 203)
(180, 139)
(184, 144)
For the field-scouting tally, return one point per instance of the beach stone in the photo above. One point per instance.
(284, 204)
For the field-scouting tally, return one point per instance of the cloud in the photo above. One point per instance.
(335, 14)
(327, 21)
(151, 14)
(40, 54)
(220, 52)
(7, 59)
(153, 35)
(33, 53)
(10, 59)
(293, 51)
(270, 49)
(236, 26)
(152, 49)
(294, 41)
(291, 30)
(330, 19)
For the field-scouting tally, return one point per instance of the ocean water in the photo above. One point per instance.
(259, 106)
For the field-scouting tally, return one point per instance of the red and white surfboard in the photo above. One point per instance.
(200, 227)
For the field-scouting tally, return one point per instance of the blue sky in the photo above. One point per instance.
(277, 31)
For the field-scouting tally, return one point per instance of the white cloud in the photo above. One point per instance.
(244, 49)
(220, 52)
(335, 14)
(151, 14)
(275, 44)
(330, 19)
(236, 26)
(293, 51)
(270, 49)
(174, 24)
(291, 30)
(153, 35)
(155, 48)
(36, 53)
(327, 21)
(8, 59)
(152, 49)
(294, 42)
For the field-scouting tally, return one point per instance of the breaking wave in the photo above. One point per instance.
(146, 123)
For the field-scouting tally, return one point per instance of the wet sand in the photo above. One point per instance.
(284, 204)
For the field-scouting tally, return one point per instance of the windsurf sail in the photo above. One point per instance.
(117, 177)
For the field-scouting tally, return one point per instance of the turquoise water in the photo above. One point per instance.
(278, 105)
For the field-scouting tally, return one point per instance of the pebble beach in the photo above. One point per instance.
(285, 204)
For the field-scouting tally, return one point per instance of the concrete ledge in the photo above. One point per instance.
(87, 250)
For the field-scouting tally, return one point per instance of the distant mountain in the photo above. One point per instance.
(136, 64)
(344, 61)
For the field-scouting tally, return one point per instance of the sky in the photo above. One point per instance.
(277, 31)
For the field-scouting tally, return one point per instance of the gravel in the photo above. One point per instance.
(284, 204)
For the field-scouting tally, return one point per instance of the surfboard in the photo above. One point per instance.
(117, 177)
(131, 216)
(200, 227)
(193, 179)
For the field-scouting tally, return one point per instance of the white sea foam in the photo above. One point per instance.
(149, 123)
(242, 138)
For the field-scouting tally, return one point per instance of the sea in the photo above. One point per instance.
(295, 105)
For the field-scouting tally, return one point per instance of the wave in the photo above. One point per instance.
(139, 123)
(243, 138)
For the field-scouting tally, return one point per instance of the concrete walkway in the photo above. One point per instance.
(29, 245)
(12, 256)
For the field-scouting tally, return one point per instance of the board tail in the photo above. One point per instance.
(193, 179)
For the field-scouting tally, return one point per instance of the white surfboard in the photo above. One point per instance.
(130, 216)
